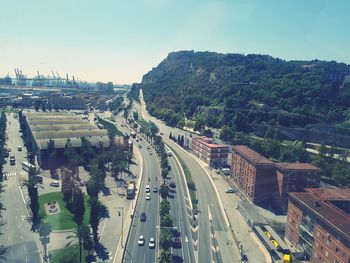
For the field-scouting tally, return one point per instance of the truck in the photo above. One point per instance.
(130, 190)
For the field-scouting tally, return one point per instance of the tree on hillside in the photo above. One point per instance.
(94, 217)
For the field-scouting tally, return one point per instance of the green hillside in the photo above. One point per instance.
(246, 90)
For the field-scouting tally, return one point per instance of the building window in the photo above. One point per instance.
(326, 253)
(336, 249)
(315, 255)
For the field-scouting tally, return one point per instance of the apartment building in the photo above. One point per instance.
(210, 152)
(294, 177)
(253, 174)
(318, 224)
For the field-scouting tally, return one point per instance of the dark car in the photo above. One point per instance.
(172, 185)
(177, 242)
(143, 217)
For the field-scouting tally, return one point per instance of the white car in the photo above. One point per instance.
(141, 241)
(55, 184)
(230, 190)
(147, 189)
(152, 243)
(148, 196)
(19, 148)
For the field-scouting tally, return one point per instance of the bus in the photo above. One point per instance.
(26, 166)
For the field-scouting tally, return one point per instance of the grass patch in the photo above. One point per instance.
(64, 219)
(189, 180)
(56, 255)
(110, 127)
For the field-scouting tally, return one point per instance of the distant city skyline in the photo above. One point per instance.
(120, 41)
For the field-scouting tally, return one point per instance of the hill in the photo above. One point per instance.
(249, 92)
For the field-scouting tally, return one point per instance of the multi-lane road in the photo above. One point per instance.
(17, 237)
(151, 227)
(214, 237)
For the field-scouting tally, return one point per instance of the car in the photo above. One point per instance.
(150, 153)
(122, 125)
(148, 147)
(155, 189)
(143, 217)
(137, 140)
(141, 241)
(230, 190)
(147, 189)
(148, 196)
(55, 184)
(19, 148)
(161, 133)
(172, 185)
(152, 243)
(140, 146)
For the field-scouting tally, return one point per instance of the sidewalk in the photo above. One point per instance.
(242, 233)
(128, 220)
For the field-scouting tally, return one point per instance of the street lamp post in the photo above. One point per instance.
(121, 213)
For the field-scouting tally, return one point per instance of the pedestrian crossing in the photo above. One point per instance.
(10, 174)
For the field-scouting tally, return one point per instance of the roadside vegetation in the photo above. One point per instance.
(112, 129)
(190, 184)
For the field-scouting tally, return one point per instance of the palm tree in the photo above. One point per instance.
(81, 234)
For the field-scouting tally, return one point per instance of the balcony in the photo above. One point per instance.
(309, 229)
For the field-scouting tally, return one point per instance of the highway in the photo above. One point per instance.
(150, 228)
(180, 213)
(134, 252)
(17, 237)
(213, 234)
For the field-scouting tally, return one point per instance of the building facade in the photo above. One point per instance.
(253, 174)
(66, 102)
(318, 224)
(213, 154)
(294, 177)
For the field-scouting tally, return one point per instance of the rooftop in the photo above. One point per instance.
(209, 142)
(61, 126)
(251, 154)
(296, 166)
(322, 202)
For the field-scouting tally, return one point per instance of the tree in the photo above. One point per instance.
(165, 256)
(199, 124)
(44, 231)
(81, 233)
(32, 186)
(165, 237)
(164, 190)
(51, 155)
(67, 185)
(37, 104)
(166, 221)
(78, 205)
(94, 217)
(164, 207)
(135, 115)
(43, 106)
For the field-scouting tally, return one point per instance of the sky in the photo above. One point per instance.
(120, 41)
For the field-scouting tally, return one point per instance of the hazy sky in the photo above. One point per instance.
(119, 41)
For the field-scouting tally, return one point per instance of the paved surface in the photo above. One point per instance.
(151, 177)
(223, 247)
(22, 244)
(237, 225)
(181, 214)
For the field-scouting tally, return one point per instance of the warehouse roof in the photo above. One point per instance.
(61, 126)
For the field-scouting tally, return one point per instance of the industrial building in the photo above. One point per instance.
(61, 127)
(318, 225)
(210, 152)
